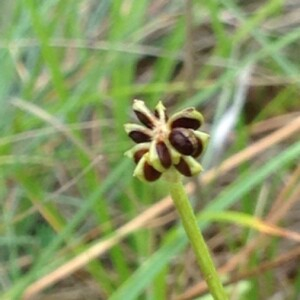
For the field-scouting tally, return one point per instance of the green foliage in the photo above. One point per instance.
(69, 72)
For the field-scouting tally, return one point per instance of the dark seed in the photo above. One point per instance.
(182, 140)
(186, 122)
(164, 154)
(150, 173)
(139, 154)
(198, 148)
(183, 168)
(144, 119)
(139, 137)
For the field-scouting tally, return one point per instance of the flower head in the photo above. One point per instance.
(164, 143)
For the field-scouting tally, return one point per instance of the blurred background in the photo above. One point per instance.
(74, 223)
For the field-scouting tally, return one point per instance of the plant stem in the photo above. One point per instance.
(194, 234)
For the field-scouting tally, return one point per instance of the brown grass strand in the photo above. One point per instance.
(260, 240)
(263, 267)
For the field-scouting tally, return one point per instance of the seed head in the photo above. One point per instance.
(164, 143)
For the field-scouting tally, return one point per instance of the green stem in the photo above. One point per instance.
(194, 234)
